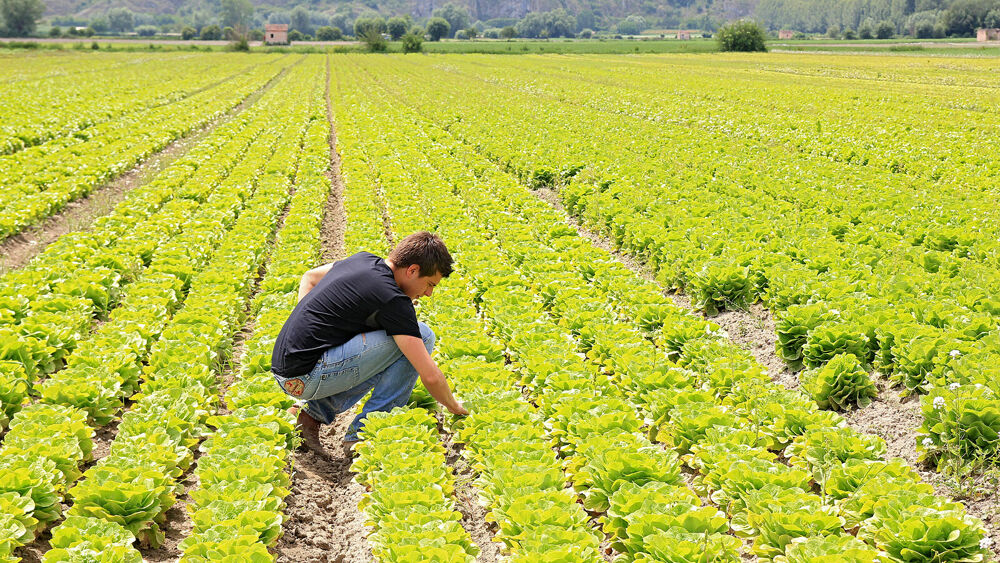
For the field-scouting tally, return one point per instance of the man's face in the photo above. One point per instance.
(416, 286)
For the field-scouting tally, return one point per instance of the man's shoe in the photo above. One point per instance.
(309, 427)
(349, 448)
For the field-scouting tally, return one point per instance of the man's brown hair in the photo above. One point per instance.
(424, 249)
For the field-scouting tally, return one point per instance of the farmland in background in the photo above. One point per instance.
(848, 201)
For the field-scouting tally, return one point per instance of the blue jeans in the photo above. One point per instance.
(345, 374)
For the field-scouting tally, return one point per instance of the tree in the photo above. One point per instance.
(188, 33)
(884, 30)
(412, 43)
(964, 16)
(120, 20)
(237, 14)
(924, 30)
(397, 27)
(743, 35)
(866, 30)
(508, 32)
(99, 24)
(472, 33)
(586, 20)
(849, 34)
(547, 24)
(632, 25)
(54, 31)
(296, 35)
(364, 24)
(456, 16)
(327, 33)
(438, 28)
(211, 33)
(301, 20)
(146, 30)
(992, 18)
(374, 41)
(341, 21)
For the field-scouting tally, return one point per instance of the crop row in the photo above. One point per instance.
(36, 111)
(409, 500)
(49, 305)
(243, 474)
(134, 485)
(180, 388)
(581, 332)
(896, 269)
(40, 181)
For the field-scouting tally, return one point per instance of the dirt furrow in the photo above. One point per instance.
(323, 523)
(467, 500)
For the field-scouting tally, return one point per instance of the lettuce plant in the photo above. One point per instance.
(14, 386)
(841, 384)
(34, 477)
(17, 525)
(223, 543)
(959, 423)
(792, 329)
(828, 340)
(719, 285)
(828, 549)
(820, 451)
(780, 520)
(913, 526)
(612, 462)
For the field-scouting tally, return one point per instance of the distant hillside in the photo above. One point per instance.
(858, 18)
(478, 9)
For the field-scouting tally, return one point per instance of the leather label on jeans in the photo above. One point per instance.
(295, 387)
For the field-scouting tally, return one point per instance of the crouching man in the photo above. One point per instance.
(355, 330)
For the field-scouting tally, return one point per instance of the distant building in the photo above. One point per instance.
(276, 34)
(988, 34)
(786, 34)
(684, 35)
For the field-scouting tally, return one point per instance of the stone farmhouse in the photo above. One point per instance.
(988, 34)
(276, 34)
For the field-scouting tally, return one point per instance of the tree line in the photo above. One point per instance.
(835, 18)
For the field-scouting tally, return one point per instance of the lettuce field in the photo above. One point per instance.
(614, 220)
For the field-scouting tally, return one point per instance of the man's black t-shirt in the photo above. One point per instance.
(357, 295)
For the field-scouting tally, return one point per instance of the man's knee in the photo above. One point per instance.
(428, 336)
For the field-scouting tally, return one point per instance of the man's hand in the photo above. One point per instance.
(430, 374)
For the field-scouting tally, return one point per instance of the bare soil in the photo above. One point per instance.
(177, 525)
(323, 523)
(17, 250)
(335, 217)
(893, 419)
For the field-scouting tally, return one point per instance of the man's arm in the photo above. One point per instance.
(311, 278)
(430, 374)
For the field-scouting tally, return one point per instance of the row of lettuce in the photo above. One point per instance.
(87, 149)
(640, 416)
(897, 268)
(409, 501)
(181, 254)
